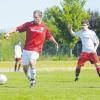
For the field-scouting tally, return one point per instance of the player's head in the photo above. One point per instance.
(19, 43)
(85, 24)
(37, 15)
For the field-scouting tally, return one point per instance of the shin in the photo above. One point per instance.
(77, 72)
(97, 69)
(32, 69)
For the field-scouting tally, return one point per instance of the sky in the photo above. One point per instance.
(94, 5)
(16, 12)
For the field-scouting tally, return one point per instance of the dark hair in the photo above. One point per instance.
(38, 12)
(85, 22)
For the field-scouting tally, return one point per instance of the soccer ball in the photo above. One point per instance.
(3, 79)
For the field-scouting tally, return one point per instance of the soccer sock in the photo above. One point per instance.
(98, 70)
(77, 72)
(28, 74)
(32, 73)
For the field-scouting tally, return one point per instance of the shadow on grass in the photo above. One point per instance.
(90, 87)
(12, 87)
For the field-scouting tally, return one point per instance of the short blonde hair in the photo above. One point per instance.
(39, 12)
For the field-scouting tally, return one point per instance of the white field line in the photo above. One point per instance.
(44, 69)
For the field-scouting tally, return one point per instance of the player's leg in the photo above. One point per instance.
(97, 65)
(15, 67)
(26, 61)
(19, 65)
(77, 72)
(94, 60)
(16, 64)
(32, 68)
(82, 59)
(25, 68)
(32, 72)
(33, 59)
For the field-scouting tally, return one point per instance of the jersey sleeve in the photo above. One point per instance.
(48, 34)
(77, 33)
(22, 27)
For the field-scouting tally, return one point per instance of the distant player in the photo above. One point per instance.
(18, 56)
(36, 33)
(90, 43)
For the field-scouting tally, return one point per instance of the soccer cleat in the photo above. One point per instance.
(76, 79)
(32, 83)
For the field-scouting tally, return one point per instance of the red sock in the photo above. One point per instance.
(98, 68)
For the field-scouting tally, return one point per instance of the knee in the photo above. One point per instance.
(32, 62)
(25, 66)
(80, 65)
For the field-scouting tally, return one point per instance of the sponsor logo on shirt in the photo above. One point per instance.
(40, 30)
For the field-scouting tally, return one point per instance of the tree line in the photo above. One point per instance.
(57, 18)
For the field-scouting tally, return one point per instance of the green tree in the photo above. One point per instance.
(7, 46)
(70, 12)
(95, 21)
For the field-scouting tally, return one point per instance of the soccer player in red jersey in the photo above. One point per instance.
(36, 33)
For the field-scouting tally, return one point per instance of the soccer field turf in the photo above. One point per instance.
(52, 85)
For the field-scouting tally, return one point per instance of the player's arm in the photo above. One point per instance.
(71, 30)
(20, 28)
(54, 41)
(51, 38)
(12, 30)
(96, 42)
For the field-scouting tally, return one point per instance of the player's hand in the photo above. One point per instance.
(69, 26)
(57, 47)
(12, 30)
(93, 52)
(6, 35)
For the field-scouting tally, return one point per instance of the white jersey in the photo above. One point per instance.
(18, 51)
(89, 40)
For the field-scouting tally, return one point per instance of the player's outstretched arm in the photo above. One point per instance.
(70, 29)
(12, 30)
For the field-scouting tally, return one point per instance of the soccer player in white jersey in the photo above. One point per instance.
(18, 56)
(90, 43)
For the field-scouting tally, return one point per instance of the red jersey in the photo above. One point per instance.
(35, 35)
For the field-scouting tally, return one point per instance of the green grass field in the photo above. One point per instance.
(52, 85)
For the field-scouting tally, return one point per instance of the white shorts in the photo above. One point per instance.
(29, 55)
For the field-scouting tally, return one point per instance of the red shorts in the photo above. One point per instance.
(93, 58)
(18, 59)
